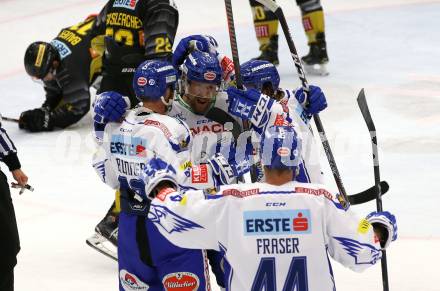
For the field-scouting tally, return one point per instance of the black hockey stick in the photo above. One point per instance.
(9, 119)
(235, 59)
(362, 102)
(368, 194)
(276, 9)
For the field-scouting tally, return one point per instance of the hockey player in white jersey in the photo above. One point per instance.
(146, 259)
(262, 76)
(275, 235)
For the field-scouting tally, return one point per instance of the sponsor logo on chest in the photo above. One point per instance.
(215, 128)
(277, 222)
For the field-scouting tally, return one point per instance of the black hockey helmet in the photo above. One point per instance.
(39, 58)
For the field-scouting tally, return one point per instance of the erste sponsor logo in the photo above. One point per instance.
(277, 222)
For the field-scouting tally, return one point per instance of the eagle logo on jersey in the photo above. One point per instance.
(100, 167)
(170, 221)
(357, 251)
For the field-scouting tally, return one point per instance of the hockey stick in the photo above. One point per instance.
(276, 9)
(235, 59)
(368, 194)
(9, 119)
(363, 106)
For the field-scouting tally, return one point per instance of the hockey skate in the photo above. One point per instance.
(269, 51)
(315, 61)
(105, 239)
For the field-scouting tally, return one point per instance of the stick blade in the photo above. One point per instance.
(363, 106)
(368, 194)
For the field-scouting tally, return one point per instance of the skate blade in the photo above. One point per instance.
(316, 70)
(102, 245)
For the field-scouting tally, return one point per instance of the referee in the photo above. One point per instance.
(9, 242)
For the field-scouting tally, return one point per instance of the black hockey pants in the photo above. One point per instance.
(9, 242)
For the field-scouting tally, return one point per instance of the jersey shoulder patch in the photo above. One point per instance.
(170, 221)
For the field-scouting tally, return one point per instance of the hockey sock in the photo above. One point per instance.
(313, 23)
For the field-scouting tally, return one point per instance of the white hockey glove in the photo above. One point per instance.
(157, 171)
(384, 224)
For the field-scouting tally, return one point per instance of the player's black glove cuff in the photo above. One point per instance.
(11, 160)
(36, 120)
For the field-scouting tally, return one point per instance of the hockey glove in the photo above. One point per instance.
(204, 43)
(36, 120)
(250, 105)
(227, 169)
(316, 101)
(385, 227)
(110, 107)
(157, 171)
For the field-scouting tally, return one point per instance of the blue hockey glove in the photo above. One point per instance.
(204, 43)
(226, 169)
(385, 226)
(109, 107)
(249, 105)
(155, 172)
(316, 101)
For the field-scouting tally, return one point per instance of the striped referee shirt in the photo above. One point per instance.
(8, 151)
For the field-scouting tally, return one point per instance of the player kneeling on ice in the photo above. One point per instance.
(147, 259)
(275, 235)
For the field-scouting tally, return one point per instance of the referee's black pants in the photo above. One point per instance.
(9, 241)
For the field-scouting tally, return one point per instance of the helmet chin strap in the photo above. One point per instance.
(167, 104)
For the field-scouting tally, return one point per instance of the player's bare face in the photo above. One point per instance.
(200, 96)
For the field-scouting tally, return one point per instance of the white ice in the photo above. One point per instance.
(392, 49)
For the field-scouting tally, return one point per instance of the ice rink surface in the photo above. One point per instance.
(391, 49)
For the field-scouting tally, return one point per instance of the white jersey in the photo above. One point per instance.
(273, 237)
(300, 121)
(209, 137)
(127, 147)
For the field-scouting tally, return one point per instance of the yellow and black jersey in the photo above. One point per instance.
(147, 26)
(80, 49)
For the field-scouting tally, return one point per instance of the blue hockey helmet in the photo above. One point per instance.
(280, 148)
(256, 73)
(202, 67)
(152, 78)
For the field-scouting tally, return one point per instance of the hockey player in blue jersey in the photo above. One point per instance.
(275, 235)
(146, 259)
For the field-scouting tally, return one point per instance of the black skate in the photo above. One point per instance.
(315, 61)
(105, 239)
(269, 52)
(108, 228)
